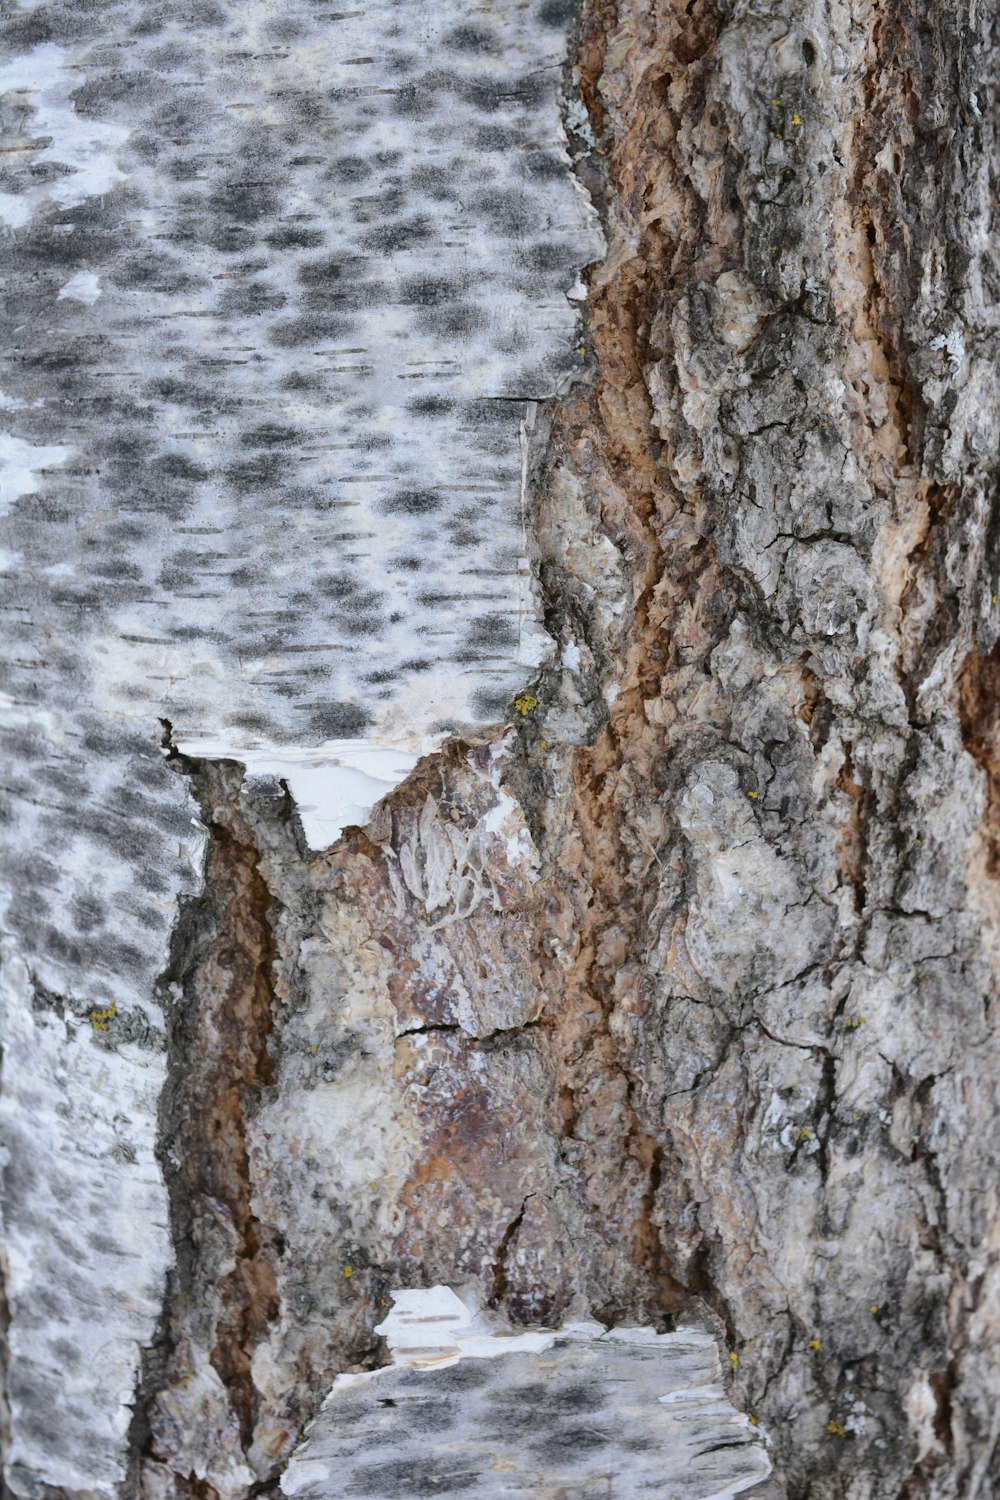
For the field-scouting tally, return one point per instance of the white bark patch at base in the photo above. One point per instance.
(474, 1408)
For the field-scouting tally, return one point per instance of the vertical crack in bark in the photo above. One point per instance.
(979, 714)
(885, 131)
(242, 1023)
(852, 844)
(896, 173)
(504, 1250)
(219, 997)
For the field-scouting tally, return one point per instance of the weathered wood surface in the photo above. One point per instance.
(671, 986)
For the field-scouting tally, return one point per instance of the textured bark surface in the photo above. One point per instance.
(663, 991)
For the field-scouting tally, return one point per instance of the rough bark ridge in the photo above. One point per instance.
(785, 901)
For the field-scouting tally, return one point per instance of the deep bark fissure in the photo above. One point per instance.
(219, 1002)
(979, 710)
(504, 1250)
(854, 841)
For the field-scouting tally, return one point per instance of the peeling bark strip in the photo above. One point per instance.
(219, 1023)
(666, 987)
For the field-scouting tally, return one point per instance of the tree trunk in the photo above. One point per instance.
(502, 791)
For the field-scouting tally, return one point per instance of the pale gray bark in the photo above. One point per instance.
(661, 990)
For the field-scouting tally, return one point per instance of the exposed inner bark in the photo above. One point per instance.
(221, 1016)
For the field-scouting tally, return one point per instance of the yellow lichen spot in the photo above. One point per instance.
(796, 120)
(814, 1344)
(805, 1133)
(348, 1272)
(753, 795)
(853, 1022)
(873, 1309)
(101, 1015)
(836, 1429)
(778, 135)
(776, 103)
(525, 703)
(734, 1358)
(544, 744)
(752, 1420)
(314, 1048)
(581, 349)
(994, 598)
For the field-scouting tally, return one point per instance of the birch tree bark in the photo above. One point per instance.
(502, 750)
